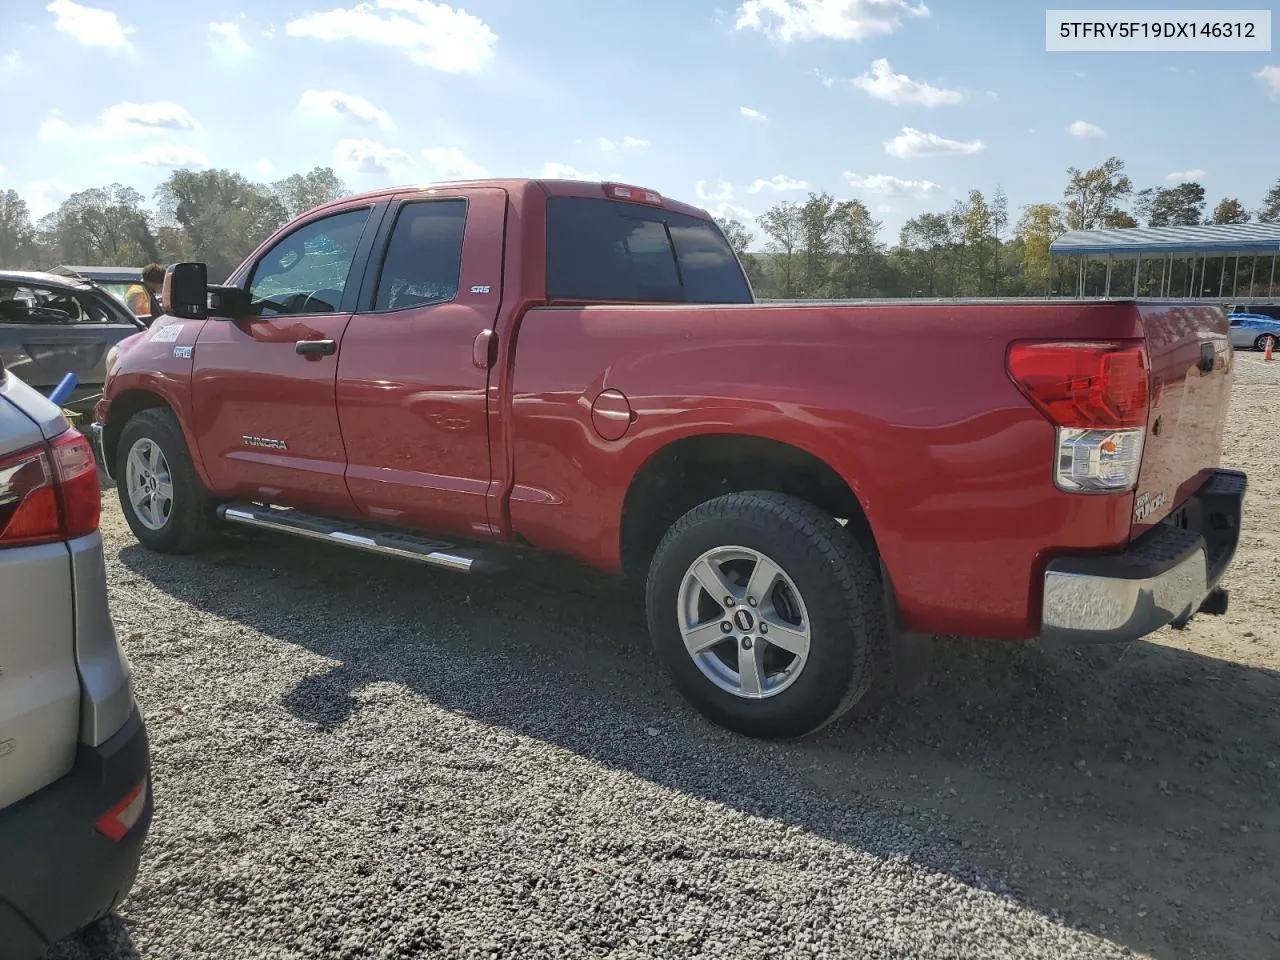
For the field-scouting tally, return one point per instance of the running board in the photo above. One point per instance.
(405, 546)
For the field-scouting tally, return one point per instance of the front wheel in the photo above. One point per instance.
(1261, 343)
(767, 614)
(159, 490)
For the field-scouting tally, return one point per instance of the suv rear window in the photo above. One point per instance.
(617, 251)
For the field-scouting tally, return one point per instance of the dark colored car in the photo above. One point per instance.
(54, 325)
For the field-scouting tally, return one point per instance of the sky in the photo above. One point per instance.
(732, 105)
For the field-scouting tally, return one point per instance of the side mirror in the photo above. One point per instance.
(188, 295)
(186, 291)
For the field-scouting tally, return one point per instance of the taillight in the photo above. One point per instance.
(49, 492)
(1097, 395)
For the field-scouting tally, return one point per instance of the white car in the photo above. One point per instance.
(75, 766)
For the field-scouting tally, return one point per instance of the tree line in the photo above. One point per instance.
(216, 216)
(816, 248)
(823, 248)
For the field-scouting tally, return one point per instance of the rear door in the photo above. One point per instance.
(39, 686)
(262, 385)
(413, 374)
(1191, 372)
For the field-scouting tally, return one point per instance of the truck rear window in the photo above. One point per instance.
(616, 251)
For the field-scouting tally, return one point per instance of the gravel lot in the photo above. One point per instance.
(358, 758)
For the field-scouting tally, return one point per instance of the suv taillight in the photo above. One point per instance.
(1097, 395)
(49, 492)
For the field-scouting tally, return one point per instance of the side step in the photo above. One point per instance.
(389, 543)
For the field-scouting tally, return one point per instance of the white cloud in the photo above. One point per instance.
(170, 156)
(1179, 176)
(334, 103)
(562, 171)
(626, 143)
(370, 157)
(752, 114)
(55, 128)
(430, 34)
(90, 26)
(882, 83)
(1270, 76)
(788, 20)
(722, 193)
(916, 143)
(886, 185)
(11, 60)
(780, 183)
(160, 116)
(993, 96)
(1087, 130)
(450, 163)
(44, 196)
(264, 168)
(730, 211)
(124, 120)
(226, 40)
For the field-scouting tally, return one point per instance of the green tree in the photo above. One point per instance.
(1230, 210)
(1180, 206)
(1093, 196)
(855, 239)
(1270, 212)
(106, 226)
(782, 224)
(1039, 225)
(926, 242)
(17, 232)
(223, 215)
(306, 191)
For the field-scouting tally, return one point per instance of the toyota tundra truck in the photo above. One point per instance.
(467, 374)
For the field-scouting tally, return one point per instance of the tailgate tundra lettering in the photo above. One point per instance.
(266, 443)
(1146, 505)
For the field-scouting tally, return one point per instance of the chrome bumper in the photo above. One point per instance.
(1162, 578)
(95, 434)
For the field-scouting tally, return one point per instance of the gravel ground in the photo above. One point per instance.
(355, 757)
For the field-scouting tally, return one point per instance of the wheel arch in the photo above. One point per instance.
(693, 469)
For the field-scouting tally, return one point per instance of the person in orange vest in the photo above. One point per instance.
(144, 299)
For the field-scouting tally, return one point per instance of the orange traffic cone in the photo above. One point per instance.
(1266, 354)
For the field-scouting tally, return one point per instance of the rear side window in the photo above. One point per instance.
(424, 257)
(617, 251)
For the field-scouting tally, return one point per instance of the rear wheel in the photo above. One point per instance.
(1261, 343)
(766, 613)
(159, 490)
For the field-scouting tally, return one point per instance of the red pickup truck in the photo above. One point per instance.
(464, 373)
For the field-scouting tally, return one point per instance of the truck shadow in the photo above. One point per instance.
(1133, 792)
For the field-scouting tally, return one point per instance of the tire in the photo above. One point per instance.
(839, 595)
(1261, 343)
(182, 526)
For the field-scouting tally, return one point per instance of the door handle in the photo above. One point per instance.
(316, 348)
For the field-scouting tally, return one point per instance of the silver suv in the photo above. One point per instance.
(75, 768)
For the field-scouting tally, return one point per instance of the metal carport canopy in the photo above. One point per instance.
(1210, 240)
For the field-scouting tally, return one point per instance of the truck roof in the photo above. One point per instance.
(518, 185)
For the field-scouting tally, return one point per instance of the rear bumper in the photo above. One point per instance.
(57, 872)
(1162, 578)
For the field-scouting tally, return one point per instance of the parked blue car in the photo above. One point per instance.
(1251, 330)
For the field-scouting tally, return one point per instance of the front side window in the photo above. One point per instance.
(307, 270)
(41, 305)
(626, 252)
(424, 257)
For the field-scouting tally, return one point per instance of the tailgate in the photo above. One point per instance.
(1191, 373)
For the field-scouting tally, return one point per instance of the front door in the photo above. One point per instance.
(263, 384)
(414, 372)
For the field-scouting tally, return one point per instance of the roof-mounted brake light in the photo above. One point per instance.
(620, 191)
